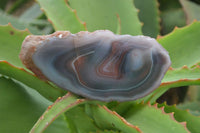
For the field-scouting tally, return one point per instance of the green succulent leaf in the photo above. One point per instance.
(61, 105)
(183, 45)
(61, 15)
(107, 119)
(191, 10)
(151, 119)
(184, 116)
(171, 19)
(11, 40)
(106, 14)
(172, 15)
(45, 89)
(184, 73)
(79, 121)
(149, 15)
(193, 107)
(121, 107)
(106, 131)
(31, 13)
(23, 24)
(20, 108)
(175, 78)
(58, 126)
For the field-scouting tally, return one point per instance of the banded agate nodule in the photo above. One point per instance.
(98, 65)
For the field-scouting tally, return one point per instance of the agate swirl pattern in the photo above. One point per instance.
(98, 65)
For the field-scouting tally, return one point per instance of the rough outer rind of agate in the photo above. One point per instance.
(98, 65)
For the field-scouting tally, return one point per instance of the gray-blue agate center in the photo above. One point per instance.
(120, 67)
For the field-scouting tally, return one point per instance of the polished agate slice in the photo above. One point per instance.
(98, 65)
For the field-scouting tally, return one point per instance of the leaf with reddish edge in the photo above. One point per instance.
(181, 73)
(61, 15)
(10, 44)
(183, 45)
(21, 75)
(193, 122)
(151, 119)
(107, 119)
(174, 78)
(61, 105)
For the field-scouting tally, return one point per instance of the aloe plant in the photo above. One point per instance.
(28, 104)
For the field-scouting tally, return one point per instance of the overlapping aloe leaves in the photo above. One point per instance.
(24, 98)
